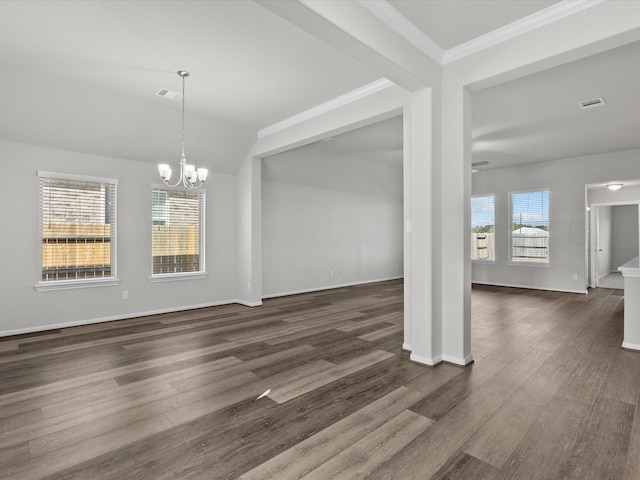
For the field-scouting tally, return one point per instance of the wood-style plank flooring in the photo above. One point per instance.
(551, 394)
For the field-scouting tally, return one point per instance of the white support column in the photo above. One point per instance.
(454, 208)
(421, 330)
(249, 261)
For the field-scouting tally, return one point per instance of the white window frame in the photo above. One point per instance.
(46, 285)
(530, 263)
(201, 273)
(485, 260)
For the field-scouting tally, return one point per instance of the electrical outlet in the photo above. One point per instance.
(248, 285)
(125, 294)
(331, 273)
(574, 276)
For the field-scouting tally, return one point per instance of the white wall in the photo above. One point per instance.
(627, 194)
(316, 238)
(566, 180)
(624, 234)
(24, 309)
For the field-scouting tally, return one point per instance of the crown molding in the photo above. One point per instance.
(531, 22)
(326, 107)
(391, 17)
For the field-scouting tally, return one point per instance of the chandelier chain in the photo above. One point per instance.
(190, 176)
(183, 74)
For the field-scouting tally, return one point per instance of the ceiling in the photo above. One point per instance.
(472, 18)
(83, 76)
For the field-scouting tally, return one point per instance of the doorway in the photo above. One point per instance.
(614, 241)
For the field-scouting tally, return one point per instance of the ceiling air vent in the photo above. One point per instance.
(163, 92)
(596, 102)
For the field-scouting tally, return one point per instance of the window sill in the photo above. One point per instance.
(529, 264)
(170, 277)
(71, 284)
(487, 262)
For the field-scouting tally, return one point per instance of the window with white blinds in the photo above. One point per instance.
(77, 228)
(483, 246)
(530, 226)
(177, 238)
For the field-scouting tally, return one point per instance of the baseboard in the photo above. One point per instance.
(248, 304)
(463, 362)
(90, 321)
(431, 362)
(630, 346)
(406, 347)
(530, 287)
(329, 287)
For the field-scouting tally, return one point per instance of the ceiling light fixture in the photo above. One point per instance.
(190, 176)
(614, 186)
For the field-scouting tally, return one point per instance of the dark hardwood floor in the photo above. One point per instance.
(551, 394)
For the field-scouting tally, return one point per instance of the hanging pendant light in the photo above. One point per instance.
(190, 176)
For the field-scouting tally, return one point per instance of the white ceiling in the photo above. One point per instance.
(453, 23)
(537, 117)
(82, 76)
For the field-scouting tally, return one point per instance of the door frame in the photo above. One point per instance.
(594, 239)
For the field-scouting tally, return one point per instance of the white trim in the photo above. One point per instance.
(391, 17)
(432, 362)
(529, 287)
(397, 22)
(70, 284)
(90, 321)
(407, 347)
(201, 194)
(629, 274)
(458, 361)
(529, 23)
(326, 107)
(630, 346)
(170, 277)
(630, 269)
(528, 263)
(249, 304)
(328, 287)
(49, 285)
(79, 178)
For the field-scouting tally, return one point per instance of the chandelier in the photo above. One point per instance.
(190, 176)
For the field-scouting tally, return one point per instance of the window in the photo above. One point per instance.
(77, 229)
(530, 227)
(177, 237)
(483, 228)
